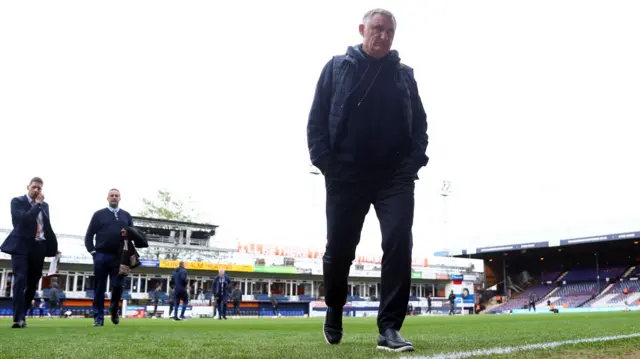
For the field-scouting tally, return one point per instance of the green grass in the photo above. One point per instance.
(301, 338)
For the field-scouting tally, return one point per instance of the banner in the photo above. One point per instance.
(275, 269)
(602, 238)
(149, 263)
(513, 247)
(206, 266)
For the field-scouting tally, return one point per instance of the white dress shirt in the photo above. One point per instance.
(39, 234)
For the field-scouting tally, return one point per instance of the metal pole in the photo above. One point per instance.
(504, 275)
(445, 192)
(597, 273)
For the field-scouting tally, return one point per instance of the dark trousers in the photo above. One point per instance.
(106, 266)
(27, 270)
(532, 305)
(348, 202)
(181, 295)
(236, 307)
(171, 303)
(53, 306)
(221, 304)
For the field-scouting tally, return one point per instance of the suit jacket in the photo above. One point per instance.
(138, 237)
(226, 286)
(129, 258)
(25, 225)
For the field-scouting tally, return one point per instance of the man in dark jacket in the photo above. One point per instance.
(54, 299)
(236, 298)
(157, 296)
(221, 286)
(108, 226)
(274, 304)
(31, 240)
(179, 279)
(367, 134)
(452, 303)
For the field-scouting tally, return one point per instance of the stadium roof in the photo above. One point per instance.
(548, 244)
(166, 222)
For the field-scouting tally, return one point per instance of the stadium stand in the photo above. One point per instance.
(522, 300)
(599, 271)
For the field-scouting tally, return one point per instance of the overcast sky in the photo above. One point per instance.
(532, 109)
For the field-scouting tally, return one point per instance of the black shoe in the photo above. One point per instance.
(19, 324)
(332, 326)
(115, 318)
(98, 323)
(391, 340)
(225, 318)
(177, 319)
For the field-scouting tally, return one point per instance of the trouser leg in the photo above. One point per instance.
(394, 205)
(34, 273)
(100, 273)
(346, 208)
(19, 266)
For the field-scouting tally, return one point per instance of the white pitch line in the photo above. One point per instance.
(520, 348)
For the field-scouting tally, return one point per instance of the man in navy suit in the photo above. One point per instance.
(109, 227)
(31, 239)
(221, 286)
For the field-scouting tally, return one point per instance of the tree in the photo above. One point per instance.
(165, 207)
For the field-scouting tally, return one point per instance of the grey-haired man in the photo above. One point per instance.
(367, 133)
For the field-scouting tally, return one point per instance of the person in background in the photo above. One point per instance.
(221, 287)
(32, 308)
(172, 297)
(236, 298)
(42, 307)
(200, 294)
(452, 303)
(428, 303)
(180, 281)
(274, 304)
(157, 296)
(54, 300)
(532, 302)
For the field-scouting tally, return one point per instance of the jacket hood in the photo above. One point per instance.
(357, 53)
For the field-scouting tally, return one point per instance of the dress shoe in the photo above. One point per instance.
(332, 326)
(98, 323)
(390, 340)
(115, 318)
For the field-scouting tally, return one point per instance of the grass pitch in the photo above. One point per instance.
(302, 338)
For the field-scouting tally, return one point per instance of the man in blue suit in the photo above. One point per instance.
(31, 239)
(179, 279)
(221, 286)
